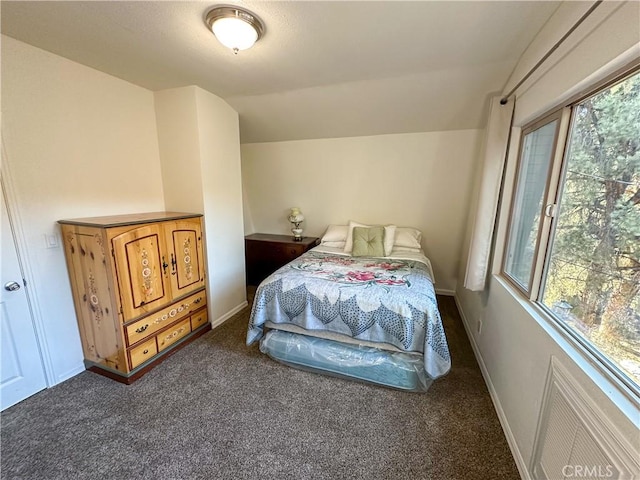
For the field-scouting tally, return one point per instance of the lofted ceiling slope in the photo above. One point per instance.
(323, 69)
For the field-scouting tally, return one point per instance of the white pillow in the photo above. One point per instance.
(335, 233)
(408, 237)
(389, 237)
(339, 245)
(406, 249)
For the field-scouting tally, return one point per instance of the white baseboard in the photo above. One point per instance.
(78, 369)
(220, 320)
(443, 291)
(511, 440)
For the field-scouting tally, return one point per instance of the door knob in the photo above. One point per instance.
(11, 286)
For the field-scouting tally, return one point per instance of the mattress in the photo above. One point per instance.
(400, 370)
(329, 335)
(383, 301)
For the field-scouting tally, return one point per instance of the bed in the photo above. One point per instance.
(340, 311)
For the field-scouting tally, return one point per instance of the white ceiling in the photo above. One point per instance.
(323, 68)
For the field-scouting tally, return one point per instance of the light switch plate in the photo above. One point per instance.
(51, 240)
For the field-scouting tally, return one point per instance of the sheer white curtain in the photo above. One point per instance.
(493, 158)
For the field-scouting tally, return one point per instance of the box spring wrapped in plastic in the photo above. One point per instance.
(404, 371)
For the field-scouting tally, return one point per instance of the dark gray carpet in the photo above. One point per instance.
(220, 410)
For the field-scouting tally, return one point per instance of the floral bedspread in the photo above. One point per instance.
(376, 299)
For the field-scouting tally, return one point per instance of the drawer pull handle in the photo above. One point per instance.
(142, 329)
(145, 351)
(197, 300)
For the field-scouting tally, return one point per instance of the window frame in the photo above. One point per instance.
(548, 224)
(555, 115)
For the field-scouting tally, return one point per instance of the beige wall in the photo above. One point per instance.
(78, 143)
(200, 155)
(516, 343)
(222, 193)
(178, 138)
(419, 179)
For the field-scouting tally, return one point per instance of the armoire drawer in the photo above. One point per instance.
(172, 335)
(136, 331)
(198, 319)
(143, 352)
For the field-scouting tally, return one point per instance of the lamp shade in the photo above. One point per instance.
(296, 215)
(234, 33)
(235, 28)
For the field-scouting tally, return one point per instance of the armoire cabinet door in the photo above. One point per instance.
(97, 319)
(184, 246)
(141, 263)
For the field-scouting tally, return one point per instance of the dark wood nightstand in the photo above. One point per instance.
(265, 253)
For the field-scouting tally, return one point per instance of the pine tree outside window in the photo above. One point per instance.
(590, 279)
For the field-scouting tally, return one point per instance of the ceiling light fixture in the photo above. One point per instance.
(234, 27)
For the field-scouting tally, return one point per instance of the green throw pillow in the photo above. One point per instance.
(368, 242)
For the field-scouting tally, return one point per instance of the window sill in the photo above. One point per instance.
(615, 389)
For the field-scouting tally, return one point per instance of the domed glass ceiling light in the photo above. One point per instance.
(234, 27)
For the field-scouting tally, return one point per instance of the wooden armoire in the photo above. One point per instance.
(138, 285)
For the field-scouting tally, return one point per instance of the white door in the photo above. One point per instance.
(21, 364)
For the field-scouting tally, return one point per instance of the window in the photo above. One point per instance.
(536, 152)
(589, 281)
